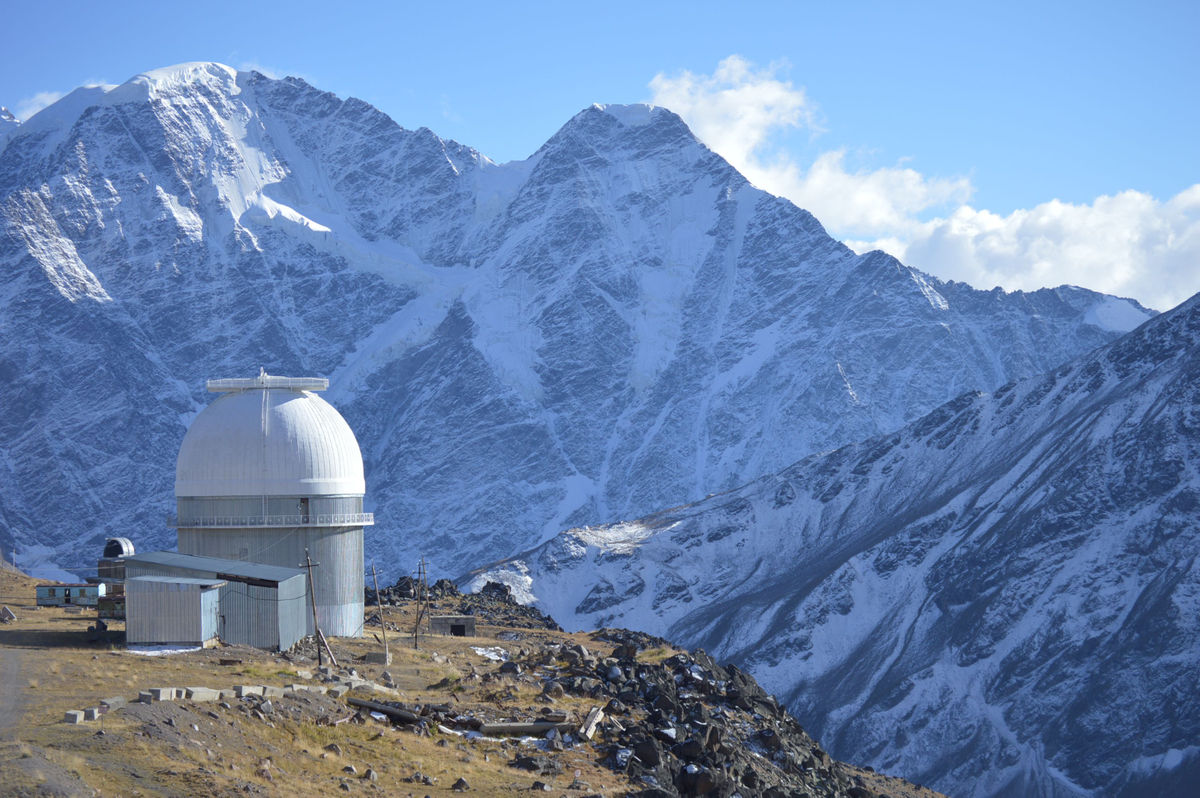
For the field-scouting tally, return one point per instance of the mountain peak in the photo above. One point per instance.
(631, 115)
(171, 78)
(638, 128)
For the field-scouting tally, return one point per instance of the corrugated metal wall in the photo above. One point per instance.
(170, 613)
(338, 578)
(259, 616)
(264, 617)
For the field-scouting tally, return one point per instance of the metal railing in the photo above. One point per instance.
(239, 522)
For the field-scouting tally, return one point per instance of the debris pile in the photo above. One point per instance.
(681, 726)
(687, 726)
(493, 604)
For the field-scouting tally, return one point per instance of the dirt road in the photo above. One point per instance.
(11, 692)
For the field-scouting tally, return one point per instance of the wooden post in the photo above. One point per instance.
(312, 594)
(387, 656)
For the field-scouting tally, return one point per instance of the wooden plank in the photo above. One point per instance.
(534, 729)
(588, 729)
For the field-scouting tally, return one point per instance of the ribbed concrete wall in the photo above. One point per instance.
(338, 579)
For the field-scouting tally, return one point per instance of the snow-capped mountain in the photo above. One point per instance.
(616, 324)
(998, 599)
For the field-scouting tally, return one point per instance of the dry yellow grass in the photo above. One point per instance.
(60, 671)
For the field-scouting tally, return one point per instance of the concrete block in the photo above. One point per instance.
(145, 697)
(228, 694)
(113, 703)
(202, 694)
(74, 716)
(243, 690)
(91, 713)
(317, 688)
(270, 691)
(337, 691)
(162, 693)
(306, 675)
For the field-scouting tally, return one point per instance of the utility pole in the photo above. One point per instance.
(312, 594)
(387, 657)
(422, 598)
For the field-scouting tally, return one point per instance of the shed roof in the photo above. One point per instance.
(250, 570)
(179, 580)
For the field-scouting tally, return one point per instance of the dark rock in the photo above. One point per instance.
(648, 752)
(689, 750)
(542, 765)
(461, 785)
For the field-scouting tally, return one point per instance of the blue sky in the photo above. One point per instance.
(1020, 144)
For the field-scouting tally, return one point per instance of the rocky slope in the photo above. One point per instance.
(514, 710)
(616, 324)
(998, 599)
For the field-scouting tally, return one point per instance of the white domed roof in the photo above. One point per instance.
(271, 436)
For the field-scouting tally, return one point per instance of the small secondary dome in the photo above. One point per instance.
(115, 548)
(269, 436)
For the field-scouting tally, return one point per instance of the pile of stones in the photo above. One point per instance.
(405, 589)
(686, 725)
(493, 604)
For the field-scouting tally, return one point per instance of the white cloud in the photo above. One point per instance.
(735, 109)
(31, 105)
(1130, 244)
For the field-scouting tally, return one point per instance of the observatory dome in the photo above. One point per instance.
(269, 436)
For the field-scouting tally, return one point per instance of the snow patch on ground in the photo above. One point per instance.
(1117, 315)
(161, 651)
(936, 300)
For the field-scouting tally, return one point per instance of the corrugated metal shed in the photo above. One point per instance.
(339, 552)
(265, 606)
(162, 610)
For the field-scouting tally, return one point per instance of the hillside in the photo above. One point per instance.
(462, 707)
(998, 599)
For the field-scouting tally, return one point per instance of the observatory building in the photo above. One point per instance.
(268, 471)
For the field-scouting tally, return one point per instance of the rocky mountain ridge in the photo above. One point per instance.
(618, 323)
(995, 600)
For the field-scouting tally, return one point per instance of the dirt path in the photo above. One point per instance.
(11, 694)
